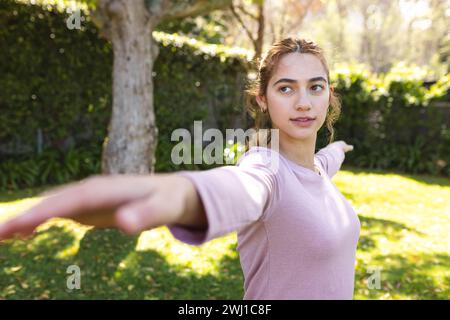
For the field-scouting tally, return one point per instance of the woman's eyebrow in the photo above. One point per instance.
(295, 81)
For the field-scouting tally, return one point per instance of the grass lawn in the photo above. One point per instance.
(405, 224)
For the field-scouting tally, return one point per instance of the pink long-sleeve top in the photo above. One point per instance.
(297, 234)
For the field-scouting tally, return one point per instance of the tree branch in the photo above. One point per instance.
(238, 18)
(248, 13)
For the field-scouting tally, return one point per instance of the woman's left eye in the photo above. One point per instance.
(317, 85)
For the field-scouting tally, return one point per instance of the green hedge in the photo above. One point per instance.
(55, 102)
(58, 81)
(394, 121)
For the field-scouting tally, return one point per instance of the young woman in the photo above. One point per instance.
(297, 234)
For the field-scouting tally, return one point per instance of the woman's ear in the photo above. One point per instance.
(331, 91)
(261, 102)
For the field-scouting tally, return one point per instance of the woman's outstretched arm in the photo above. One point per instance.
(332, 156)
(132, 203)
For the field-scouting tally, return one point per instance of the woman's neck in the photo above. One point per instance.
(299, 151)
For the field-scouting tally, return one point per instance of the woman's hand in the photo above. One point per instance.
(345, 147)
(132, 203)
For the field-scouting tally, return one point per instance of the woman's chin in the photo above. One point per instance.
(299, 133)
(303, 134)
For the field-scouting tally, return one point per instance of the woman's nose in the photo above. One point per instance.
(303, 106)
(303, 102)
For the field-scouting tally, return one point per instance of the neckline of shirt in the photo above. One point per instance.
(298, 167)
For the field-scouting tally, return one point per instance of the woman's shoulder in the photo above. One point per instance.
(261, 156)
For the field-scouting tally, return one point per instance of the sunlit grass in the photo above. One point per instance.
(405, 232)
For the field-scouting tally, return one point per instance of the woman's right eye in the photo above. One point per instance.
(281, 89)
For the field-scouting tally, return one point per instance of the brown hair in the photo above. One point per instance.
(265, 68)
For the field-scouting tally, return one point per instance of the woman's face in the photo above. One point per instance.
(298, 88)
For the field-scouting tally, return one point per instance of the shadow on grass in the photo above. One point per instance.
(381, 227)
(110, 267)
(30, 269)
(413, 276)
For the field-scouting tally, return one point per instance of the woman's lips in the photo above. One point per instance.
(303, 122)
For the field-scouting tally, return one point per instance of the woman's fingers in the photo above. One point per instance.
(348, 147)
(69, 201)
(31, 218)
(345, 147)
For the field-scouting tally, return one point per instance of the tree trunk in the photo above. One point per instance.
(132, 132)
(259, 41)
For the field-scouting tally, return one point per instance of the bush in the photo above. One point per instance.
(394, 121)
(56, 83)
